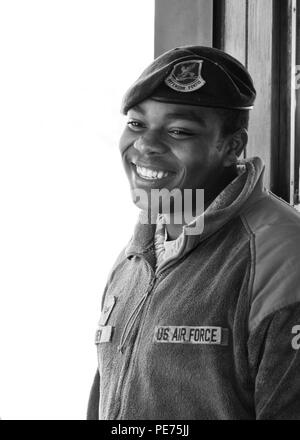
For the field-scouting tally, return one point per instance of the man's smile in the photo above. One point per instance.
(151, 172)
(151, 175)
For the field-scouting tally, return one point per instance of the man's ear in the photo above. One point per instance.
(234, 147)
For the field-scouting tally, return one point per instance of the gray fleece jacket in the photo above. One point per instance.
(213, 332)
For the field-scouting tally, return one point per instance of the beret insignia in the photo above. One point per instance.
(186, 76)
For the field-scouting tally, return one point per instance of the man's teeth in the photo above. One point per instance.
(146, 173)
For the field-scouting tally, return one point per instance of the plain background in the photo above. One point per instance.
(65, 203)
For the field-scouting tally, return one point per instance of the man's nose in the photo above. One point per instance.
(150, 144)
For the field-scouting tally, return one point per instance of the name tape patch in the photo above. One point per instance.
(191, 335)
(103, 334)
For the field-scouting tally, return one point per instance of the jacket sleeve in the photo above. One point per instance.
(274, 358)
(93, 404)
(94, 398)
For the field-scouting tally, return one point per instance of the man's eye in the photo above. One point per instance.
(135, 125)
(177, 133)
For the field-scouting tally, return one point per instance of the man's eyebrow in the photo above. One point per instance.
(189, 116)
(137, 108)
(184, 115)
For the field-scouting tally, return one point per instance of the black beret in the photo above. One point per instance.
(194, 75)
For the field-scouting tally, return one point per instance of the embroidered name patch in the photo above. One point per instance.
(103, 334)
(191, 335)
(186, 76)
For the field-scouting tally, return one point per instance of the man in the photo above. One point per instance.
(201, 325)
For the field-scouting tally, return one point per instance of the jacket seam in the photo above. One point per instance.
(252, 245)
(280, 305)
(278, 308)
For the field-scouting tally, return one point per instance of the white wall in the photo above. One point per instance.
(64, 199)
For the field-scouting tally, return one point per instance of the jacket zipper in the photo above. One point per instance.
(136, 311)
(124, 337)
(133, 317)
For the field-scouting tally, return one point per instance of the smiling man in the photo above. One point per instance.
(206, 325)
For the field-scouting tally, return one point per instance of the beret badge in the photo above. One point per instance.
(186, 76)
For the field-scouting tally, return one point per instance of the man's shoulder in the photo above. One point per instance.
(269, 213)
(274, 227)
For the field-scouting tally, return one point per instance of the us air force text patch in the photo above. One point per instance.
(186, 76)
(191, 335)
